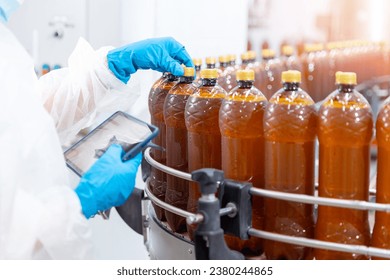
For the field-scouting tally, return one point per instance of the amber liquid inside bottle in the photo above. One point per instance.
(289, 131)
(204, 137)
(312, 78)
(176, 149)
(381, 232)
(157, 179)
(241, 125)
(345, 131)
(268, 74)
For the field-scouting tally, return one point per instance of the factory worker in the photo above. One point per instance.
(41, 216)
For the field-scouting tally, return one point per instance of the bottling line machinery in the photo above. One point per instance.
(225, 207)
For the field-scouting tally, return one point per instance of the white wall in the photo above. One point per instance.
(291, 20)
(204, 27)
(96, 20)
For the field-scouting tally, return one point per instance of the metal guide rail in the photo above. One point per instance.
(194, 218)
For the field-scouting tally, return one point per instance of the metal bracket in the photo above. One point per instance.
(131, 211)
(236, 193)
(209, 236)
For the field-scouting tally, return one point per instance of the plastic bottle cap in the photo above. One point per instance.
(223, 59)
(209, 73)
(245, 56)
(189, 71)
(309, 48)
(210, 60)
(287, 50)
(318, 47)
(291, 76)
(245, 75)
(232, 57)
(197, 61)
(267, 53)
(251, 54)
(346, 78)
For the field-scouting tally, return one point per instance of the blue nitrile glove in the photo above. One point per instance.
(161, 54)
(109, 182)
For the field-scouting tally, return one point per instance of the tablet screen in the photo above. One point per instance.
(120, 128)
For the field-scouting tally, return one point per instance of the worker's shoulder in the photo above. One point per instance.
(11, 50)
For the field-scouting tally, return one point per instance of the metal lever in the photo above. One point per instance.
(209, 236)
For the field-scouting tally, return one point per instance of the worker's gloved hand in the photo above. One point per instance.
(161, 54)
(109, 182)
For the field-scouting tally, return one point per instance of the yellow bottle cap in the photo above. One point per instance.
(252, 54)
(319, 47)
(309, 48)
(291, 76)
(210, 60)
(232, 57)
(287, 50)
(245, 56)
(209, 73)
(189, 71)
(223, 59)
(268, 53)
(346, 78)
(197, 61)
(245, 75)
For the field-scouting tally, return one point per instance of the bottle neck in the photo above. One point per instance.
(245, 84)
(268, 58)
(345, 88)
(291, 86)
(209, 82)
(210, 66)
(172, 78)
(223, 64)
(186, 79)
(197, 67)
(245, 62)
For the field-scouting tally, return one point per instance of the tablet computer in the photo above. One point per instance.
(120, 128)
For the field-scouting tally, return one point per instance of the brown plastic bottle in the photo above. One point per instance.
(226, 73)
(248, 62)
(289, 132)
(158, 179)
(291, 62)
(381, 232)
(204, 137)
(241, 125)
(176, 146)
(245, 60)
(155, 87)
(344, 134)
(270, 70)
(198, 66)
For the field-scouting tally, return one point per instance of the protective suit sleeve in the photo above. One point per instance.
(76, 95)
(40, 215)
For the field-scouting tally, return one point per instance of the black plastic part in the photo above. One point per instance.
(208, 179)
(131, 211)
(209, 236)
(238, 193)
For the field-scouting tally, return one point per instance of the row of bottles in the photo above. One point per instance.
(318, 65)
(271, 144)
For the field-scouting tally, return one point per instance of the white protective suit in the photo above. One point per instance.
(40, 214)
